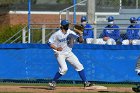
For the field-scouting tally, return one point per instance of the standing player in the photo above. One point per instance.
(58, 42)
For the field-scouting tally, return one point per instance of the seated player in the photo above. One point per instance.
(110, 34)
(132, 33)
(88, 30)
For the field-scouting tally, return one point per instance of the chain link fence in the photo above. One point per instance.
(104, 8)
(57, 5)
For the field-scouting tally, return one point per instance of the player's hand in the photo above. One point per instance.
(59, 48)
(105, 38)
(130, 42)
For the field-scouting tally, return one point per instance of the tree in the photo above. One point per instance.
(65, 1)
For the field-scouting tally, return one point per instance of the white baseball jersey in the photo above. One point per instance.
(59, 39)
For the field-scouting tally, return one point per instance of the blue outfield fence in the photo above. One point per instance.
(114, 63)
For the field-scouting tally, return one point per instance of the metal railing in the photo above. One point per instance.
(16, 36)
(41, 32)
(66, 12)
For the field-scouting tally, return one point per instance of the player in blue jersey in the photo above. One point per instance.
(88, 30)
(138, 26)
(110, 34)
(132, 33)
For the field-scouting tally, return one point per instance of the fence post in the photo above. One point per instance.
(95, 34)
(137, 4)
(91, 11)
(24, 35)
(43, 34)
(29, 20)
(60, 16)
(67, 15)
(74, 14)
(120, 4)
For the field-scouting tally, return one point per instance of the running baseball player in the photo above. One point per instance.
(59, 43)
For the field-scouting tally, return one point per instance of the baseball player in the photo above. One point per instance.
(111, 33)
(138, 25)
(132, 34)
(58, 42)
(88, 32)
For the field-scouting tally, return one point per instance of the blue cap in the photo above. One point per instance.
(133, 19)
(110, 18)
(64, 22)
(83, 18)
(138, 19)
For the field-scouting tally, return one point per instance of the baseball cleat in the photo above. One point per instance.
(52, 85)
(136, 89)
(87, 84)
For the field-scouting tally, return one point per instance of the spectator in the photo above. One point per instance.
(110, 34)
(132, 33)
(88, 30)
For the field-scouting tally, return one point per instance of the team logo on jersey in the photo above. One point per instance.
(109, 31)
(63, 40)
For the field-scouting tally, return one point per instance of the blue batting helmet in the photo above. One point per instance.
(133, 19)
(83, 18)
(110, 18)
(64, 22)
(138, 19)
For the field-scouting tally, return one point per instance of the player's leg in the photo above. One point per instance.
(62, 70)
(136, 42)
(125, 42)
(100, 41)
(89, 40)
(78, 67)
(110, 42)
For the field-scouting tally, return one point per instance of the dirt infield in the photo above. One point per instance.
(43, 89)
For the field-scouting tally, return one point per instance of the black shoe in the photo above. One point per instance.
(136, 89)
(87, 84)
(52, 85)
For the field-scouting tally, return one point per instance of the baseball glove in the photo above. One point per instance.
(78, 29)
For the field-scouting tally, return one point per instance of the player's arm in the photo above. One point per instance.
(79, 36)
(56, 48)
(53, 39)
(116, 36)
(105, 37)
